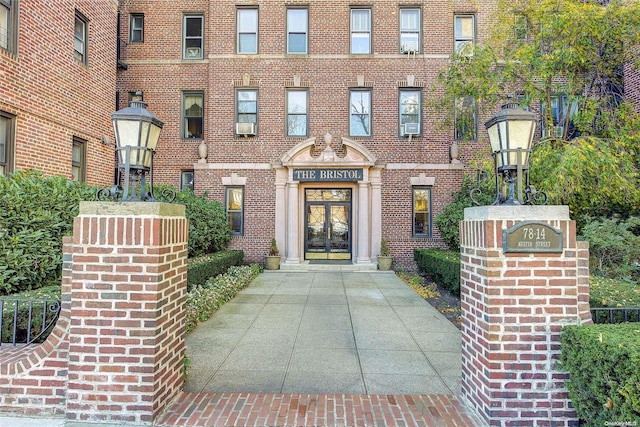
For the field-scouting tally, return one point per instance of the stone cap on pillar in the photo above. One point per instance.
(517, 213)
(132, 208)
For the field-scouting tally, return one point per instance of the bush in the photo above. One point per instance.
(35, 213)
(204, 300)
(207, 266)
(29, 301)
(442, 266)
(604, 380)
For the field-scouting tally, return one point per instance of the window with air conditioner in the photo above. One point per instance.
(410, 24)
(410, 110)
(246, 111)
(193, 35)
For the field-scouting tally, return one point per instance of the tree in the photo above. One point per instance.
(565, 60)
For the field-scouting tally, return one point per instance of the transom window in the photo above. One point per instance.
(422, 211)
(78, 160)
(136, 28)
(193, 114)
(7, 143)
(80, 37)
(465, 34)
(297, 112)
(410, 111)
(235, 209)
(360, 31)
(8, 25)
(193, 37)
(247, 23)
(360, 112)
(297, 27)
(410, 30)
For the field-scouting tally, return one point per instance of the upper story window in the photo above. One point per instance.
(410, 30)
(9, 25)
(79, 160)
(7, 143)
(136, 28)
(466, 119)
(81, 38)
(297, 112)
(465, 34)
(193, 115)
(247, 23)
(193, 37)
(521, 27)
(246, 111)
(360, 112)
(422, 211)
(361, 31)
(410, 112)
(297, 28)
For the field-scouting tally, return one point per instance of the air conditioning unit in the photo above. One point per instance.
(193, 52)
(246, 129)
(410, 47)
(412, 129)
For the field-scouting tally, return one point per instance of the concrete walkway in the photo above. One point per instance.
(326, 332)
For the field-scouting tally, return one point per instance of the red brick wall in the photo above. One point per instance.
(54, 96)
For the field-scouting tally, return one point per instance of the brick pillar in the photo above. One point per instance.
(128, 289)
(514, 306)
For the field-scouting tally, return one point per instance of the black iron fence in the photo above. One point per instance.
(615, 314)
(27, 321)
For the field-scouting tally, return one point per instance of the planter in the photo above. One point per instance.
(384, 262)
(272, 262)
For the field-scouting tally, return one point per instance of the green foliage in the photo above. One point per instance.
(24, 303)
(35, 213)
(203, 301)
(602, 361)
(208, 227)
(605, 292)
(442, 266)
(204, 267)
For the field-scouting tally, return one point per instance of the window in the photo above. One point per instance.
(80, 35)
(464, 34)
(466, 118)
(193, 37)
(9, 25)
(186, 179)
(193, 113)
(297, 25)
(247, 106)
(410, 111)
(521, 27)
(360, 116)
(235, 209)
(563, 111)
(297, 110)
(78, 160)
(422, 211)
(247, 22)
(360, 31)
(410, 30)
(136, 28)
(7, 125)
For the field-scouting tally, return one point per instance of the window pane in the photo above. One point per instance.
(297, 125)
(360, 20)
(235, 209)
(193, 105)
(247, 43)
(360, 102)
(297, 102)
(4, 140)
(297, 43)
(4, 27)
(360, 43)
(422, 211)
(137, 23)
(410, 20)
(186, 180)
(193, 127)
(464, 27)
(193, 26)
(297, 20)
(247, 21)
(409, 107)
(79, 39)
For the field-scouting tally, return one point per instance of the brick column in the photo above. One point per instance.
(513, 308)
(128, 287)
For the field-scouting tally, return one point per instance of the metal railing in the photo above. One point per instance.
(26, 321)
(615, 314)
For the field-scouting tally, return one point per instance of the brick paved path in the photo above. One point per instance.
(258, 409)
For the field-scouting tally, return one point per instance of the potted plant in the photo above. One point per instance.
(384, 258)
(273, 258)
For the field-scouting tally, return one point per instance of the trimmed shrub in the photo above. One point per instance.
(604, 379)
(203, 268)
(442, 266)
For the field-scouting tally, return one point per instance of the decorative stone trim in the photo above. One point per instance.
(234, 180)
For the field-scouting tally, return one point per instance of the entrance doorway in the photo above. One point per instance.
(328, 223)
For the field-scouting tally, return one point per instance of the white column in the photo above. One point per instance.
(281, 208)
(376, 210)
(364, 248)
(293, 224)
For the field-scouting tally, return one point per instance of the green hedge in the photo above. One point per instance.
(442, 266)
(603, 361)
(204, 267)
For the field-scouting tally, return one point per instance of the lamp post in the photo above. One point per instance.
(511, 132)
(137, 132)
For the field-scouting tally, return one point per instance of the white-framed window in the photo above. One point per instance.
(297, 112)
(360, 112)
(360, 31)
(79, 160)
(410, 110)
(466, 119)
(81, 38)
(7, 142)
(297, 30)
(136, 28)
(422, 212)
(193, 115)
(235, 209)
(186, 179)
(193, 37)
(247, 27)
(247, 107)
(410, 23)
(465, 34)
(9, 25)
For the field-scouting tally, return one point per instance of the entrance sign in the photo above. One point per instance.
(532, 236)
(328, 174)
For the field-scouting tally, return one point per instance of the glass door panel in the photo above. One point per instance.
(328, 224)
